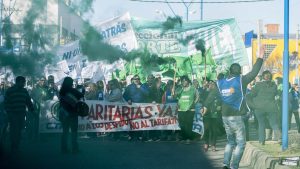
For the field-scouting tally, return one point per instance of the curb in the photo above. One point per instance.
(258, 159)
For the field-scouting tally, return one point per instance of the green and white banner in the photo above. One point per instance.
(223, 40)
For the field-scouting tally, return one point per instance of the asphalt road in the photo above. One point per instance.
(103, 153)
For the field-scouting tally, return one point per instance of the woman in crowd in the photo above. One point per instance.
(114, 94)
(294, 96)
(187, 98)
(91, 93)
(211, 120)
(68, 97)
(262, 100)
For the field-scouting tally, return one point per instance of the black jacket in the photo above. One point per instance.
(262, 97)
(68, 103)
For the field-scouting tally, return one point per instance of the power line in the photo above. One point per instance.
(205, 2)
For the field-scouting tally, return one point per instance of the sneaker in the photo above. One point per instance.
(157, 140)
(205, 147)
(213, 148)
(149, 140)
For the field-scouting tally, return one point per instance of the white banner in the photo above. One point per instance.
(71, 53)
(58, 73)
(119, 32)
(112, 117)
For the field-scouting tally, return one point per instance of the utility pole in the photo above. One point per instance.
(187, 9)
(201, 9)
(285, 92)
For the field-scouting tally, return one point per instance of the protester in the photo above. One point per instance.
(155, 96)
(114, 94)
(262, 100)
(16, 100)
(232, 91)
(3, 116)
(52, 91)
(168, 97)
(294, 96)
(91, 92)
(68, 97)
(187, 98)
(278, 82)
(39, 96)
(136, 93)
(211, 120)
(100, 90)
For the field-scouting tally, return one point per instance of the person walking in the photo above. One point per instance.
(231, 90)
(294, 100)
(16, 100)
(68, 97)
(211, 121)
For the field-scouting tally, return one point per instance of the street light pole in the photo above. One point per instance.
(187, 9)
(285, 93)
(201, 8)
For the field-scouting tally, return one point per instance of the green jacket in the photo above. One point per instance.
(186, 98)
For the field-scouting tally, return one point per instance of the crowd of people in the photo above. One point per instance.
(225, 104)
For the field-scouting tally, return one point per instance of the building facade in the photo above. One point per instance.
(273, 56)
(59, 21)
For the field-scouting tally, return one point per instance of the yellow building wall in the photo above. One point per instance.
(273, 58)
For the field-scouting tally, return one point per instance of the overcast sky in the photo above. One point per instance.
(246, 14)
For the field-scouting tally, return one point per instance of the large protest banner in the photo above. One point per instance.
(223, 40)
(221, 36)
(112, 117)
(224, 46)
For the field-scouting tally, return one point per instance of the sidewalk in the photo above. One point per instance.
(257, 156)
(253, 158)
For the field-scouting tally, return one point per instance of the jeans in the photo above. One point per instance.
(272, 119)
(211, 131)
(69, 122)
(16, 122)
(236, 138)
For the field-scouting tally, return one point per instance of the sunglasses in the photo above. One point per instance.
(136, 79)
